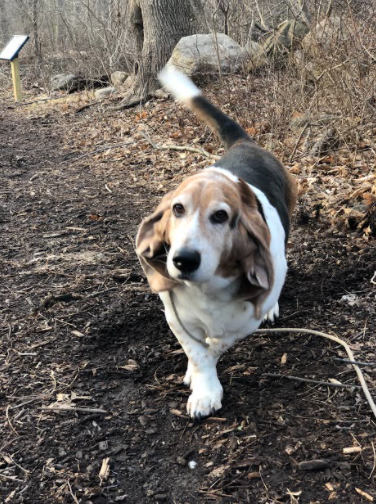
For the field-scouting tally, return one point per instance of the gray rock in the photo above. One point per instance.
(118, 78)
(103, 92)
(64, 82)
(199, 54)
(287, 37)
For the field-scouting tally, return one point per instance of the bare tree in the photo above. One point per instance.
(157, 25)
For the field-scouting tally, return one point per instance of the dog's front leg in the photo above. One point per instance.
(206, 388)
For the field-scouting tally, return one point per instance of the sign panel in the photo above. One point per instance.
(11, 50)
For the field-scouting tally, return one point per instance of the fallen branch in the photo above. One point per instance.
(358, 363)
(340, 342)
(297, 142)
(178, 147)
(101, 149)
(322, 145)
(67, 407)
(309, 380)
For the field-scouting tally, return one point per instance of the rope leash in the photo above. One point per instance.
(203, 343)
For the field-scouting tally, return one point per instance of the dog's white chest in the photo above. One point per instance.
(214, 318)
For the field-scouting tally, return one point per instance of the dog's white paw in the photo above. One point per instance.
(272, 315)
(205, 399)
(188, 375)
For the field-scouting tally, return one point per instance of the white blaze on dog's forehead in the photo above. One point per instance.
(178, 84)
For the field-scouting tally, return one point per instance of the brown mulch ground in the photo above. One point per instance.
(80, 329)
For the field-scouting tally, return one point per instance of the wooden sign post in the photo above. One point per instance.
(15, 64)
(10, 53)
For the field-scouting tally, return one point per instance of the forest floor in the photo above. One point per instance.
(81, 330)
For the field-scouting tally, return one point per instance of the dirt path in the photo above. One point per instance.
(81, 329)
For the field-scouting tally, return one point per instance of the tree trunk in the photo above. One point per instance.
(4, 23)
(157, 25)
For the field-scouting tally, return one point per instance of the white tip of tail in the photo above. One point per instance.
(179, 85)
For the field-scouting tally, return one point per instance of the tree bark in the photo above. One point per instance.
(157, 26)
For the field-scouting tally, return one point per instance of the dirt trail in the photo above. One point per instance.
(80, 328)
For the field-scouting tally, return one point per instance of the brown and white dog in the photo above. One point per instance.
(214, 248)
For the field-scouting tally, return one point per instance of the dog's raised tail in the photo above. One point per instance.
(185, 91)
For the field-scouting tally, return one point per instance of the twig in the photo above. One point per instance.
(309, 380)
(10, 460)
(373, 279)
(67, 407)
(178, 147)
(101, 149)
(190, 149)
(364, 494)
(72, 494)
(357, 363)
(13, 478)
(340, 342)
(105, 469)
(297, 142)
(322, 145)
(88, 105)
(9, 422)
(374, 460)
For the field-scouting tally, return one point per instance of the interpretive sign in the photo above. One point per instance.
(10, 53)
(13, 47)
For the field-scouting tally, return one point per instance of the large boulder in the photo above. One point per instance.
(118, 78)
(287, 37)
(199, 54)
(66, 82)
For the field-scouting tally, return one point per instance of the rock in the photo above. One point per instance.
(66, 82)
(160, 497)
(103, 92)
(118, 78)
(313, 465)
(326, 35)
(198, 54)
(286, 37)
(159, 93)
(256, 55)
(103, 445)
(181, 461)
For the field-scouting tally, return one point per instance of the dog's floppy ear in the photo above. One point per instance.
(251, 247)
(152, 243)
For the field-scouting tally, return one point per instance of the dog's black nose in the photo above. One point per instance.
(186, 260)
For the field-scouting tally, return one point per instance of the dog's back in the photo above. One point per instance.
(244, 157)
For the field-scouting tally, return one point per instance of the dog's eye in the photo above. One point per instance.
(219, 217)
(178, 210)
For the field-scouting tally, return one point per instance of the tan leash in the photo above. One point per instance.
(203, 343)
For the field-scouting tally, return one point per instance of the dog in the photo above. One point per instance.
(214, 248)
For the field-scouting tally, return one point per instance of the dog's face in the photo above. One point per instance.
(204, 211)
(208, 228)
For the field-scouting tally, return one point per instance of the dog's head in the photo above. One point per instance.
(207, 231)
